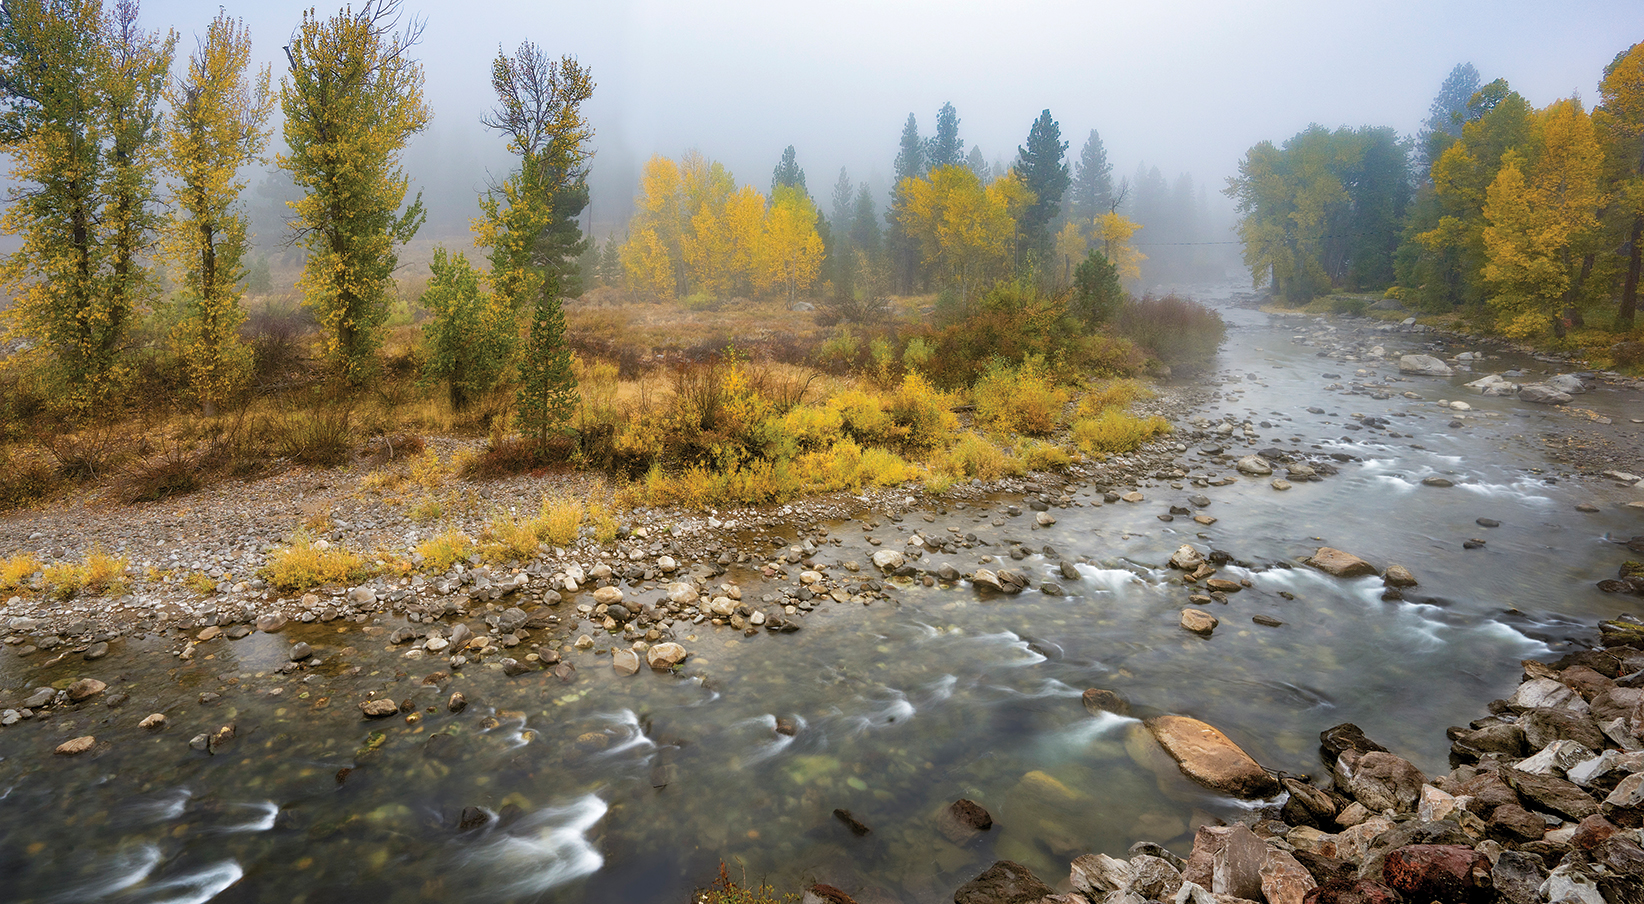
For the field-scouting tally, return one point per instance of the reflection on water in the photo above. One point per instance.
(634, 788)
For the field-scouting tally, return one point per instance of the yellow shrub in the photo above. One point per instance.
(99, 574)
(303, 564)
(440, 552)
(381, 480)
(200, 583)
(974, 456)
(865, 417)
(812, 426)
(754, 483)
(427, 471)
(1113, 432)
(604, 522)
(923, 413)
(507, 539)
(1107, 394)
(1019, 400)
(1042, 456)
(63, 579)
(16, 571)
(426, 510)
(848, 466)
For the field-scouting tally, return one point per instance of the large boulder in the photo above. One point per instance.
(1381, 781)
(1424, 365)
(1254, 465)
(1567, 383)
(1208, 757)
(1493, 385)
(1542, 394)
(1284, 879)
(1186, 558)
(1341, 564)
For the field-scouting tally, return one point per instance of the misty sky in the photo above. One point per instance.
(1186, 86)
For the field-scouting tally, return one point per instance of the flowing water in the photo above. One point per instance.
(635, 788)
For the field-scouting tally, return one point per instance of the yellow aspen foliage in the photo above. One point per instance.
(791, 250)
(1542, 217)
(1071, 245)
(352, 99)
(218, 124)
(653, 256)
(1114, 231)
(1619, 119)
(965, 232)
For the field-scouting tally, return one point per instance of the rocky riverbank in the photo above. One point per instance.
(1544, 803)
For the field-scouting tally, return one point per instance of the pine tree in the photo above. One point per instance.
(1092, 188)
(946, 148)
(218, 125)
(529, 222)
(352, 100)
(787, 172)
(1040, 165)
(904, 251)
(469, 339)
(978, 164)
(865, 236)
(1447, 115)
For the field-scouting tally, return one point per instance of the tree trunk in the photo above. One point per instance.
(1629, 289)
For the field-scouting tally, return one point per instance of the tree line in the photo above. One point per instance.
(122, 167)
(1534, 216)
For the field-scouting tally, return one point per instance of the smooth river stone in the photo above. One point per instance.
(1208, 757)
(1341, 564)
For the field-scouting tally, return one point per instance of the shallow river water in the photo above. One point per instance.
(635, 788)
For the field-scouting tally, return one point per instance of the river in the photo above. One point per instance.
(616, 788)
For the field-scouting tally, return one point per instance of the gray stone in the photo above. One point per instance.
(301, 651)
(888, 560)
(1424, 365)
(40, 697)
(1542, 394)
(1237, 867)
(1567, 383)
(1254, 465)
(1381, 781)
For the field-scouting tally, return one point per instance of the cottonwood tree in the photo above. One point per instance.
(219, 123)
(529, 222)
(792, 249)
(79, 89)
(1620, 121)
(1542, 217)
(352, 98)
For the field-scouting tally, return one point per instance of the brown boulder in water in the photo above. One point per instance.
(1208, 757)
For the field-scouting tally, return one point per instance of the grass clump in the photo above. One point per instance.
(557, 523)
(973, 457)
(17, 571)
(1113, 432)
(724, 891)
(440, 552)
(1037, 455)
(307, 563)
(1105, 394)
(100, 574)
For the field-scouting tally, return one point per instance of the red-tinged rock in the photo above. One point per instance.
(1284, 879)
(1352, 891)
(1591, 831)
(1448, 873)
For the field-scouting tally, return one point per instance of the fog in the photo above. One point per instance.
(1185, 87)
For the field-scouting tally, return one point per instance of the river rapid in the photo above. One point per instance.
(635, 788)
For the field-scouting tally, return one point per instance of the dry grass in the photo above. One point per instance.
(1114, 432)
(100, 574)
(440, 552)
(17, 571)
(307, 563)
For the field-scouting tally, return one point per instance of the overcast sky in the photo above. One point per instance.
(1186, 86)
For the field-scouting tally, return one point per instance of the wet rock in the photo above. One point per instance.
(1435, 481)
(1278, 484)
(153, 722)
(513, 668)
(40, 697)
(472, 818)
(96, 651)
(1424, 365)
(963, 820)
(1398, 576)
(987, 580)
(682, 592)
(1098, 700)
(1005, 882)
(1452, 874)
(76, 746)
(665, 656)
(1208, 757)
(379, 709)
(825, 894)
(1223, 585)
(300, 651)
(625, 662)
(786, 727)
(1267, 621)
(1307, 805)
(270, 623)
(456, 703)
(1198, 621)
(606, 596)
(1341, 564)
(1380, 780)
(84, 689)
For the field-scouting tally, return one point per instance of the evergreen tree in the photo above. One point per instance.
(352, 100)
(530, 224)
(788, 172)
(979, 165)
(844, 201)
(1092, 188)
(1097, 291)
(946, 147)
(865, 223)
(1447, 114)
(468, 340)
(1040, 165)
(904, 251)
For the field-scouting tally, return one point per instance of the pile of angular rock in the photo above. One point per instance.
(1545, 803)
